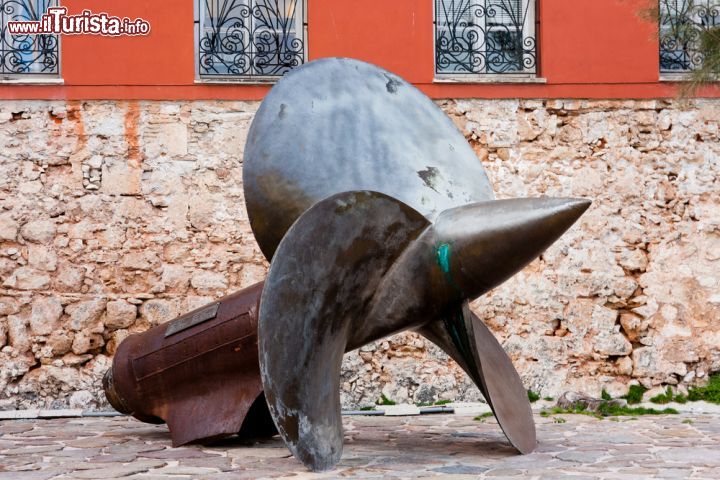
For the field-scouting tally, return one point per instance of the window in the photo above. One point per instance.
(26, 55)
(484, 37)
(250, 39)
(682, 23)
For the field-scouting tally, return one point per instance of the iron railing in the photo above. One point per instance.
(26, 54)
(250, 38)
(682, 23)
(485, 37)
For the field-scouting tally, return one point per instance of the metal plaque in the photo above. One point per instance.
(191, 319)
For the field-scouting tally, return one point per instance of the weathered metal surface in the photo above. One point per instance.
(505, 392)
(377, 268)
(338, 125)
(492, 371)
(378, 218)
(319, 290)
(191, 319)
(199, 373)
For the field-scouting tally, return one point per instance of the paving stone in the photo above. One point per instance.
(118, 471)
(556, 476)
(77, 453)
(8, 427)
(581, 456)
(505, 472)
(693, 456)
(460, 469)
(93, 442)
(177, 453)
(437, 446)
(25, 450)
(38, 475)
(185, 470)
(153, 476)
(113, 458)
(133, 447)
(218, 462)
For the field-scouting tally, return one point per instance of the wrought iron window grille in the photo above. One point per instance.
(682, 23)
(249, 39)
(480, 37)
(23, 56)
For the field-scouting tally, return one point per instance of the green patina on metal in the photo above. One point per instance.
(443, 253)
(443, 257)
(455, 324)
(455, 320)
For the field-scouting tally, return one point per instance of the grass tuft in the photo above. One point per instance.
(383, 400)
(635, 394)
(668, 397)
(532, 396)
(439, 403)
(605, 395)
(709, 393)
(483, 416)
(577, 410)
(663, 398)
(607, 410)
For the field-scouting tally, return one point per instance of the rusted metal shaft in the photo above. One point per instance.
(198, 373)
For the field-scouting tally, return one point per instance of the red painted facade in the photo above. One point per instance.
(587, 49)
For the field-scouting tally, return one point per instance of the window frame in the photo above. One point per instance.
(239, 79)
(680, 75)
(525, 76)
(36, 78)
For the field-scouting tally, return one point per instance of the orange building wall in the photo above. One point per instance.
(587, 49)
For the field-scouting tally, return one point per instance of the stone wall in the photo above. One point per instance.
(116, 216)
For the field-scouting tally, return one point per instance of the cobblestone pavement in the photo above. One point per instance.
(447, 446)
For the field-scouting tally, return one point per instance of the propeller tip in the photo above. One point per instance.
(577, 206)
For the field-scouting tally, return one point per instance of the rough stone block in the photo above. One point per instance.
(84, 314)
(45, 315)
(120, 314)
(8, 228)
(204, 280)
(39, 231)
(26, 278)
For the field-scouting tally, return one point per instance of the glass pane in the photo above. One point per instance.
(484, 36)
(504, 51)
(251, 37)
(682, 24)
(26, 54)
(504, 12)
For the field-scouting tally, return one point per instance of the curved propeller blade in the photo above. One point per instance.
(360, 266)
(319, 288)
(370, 131)
(506, 393)
(477, 351)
